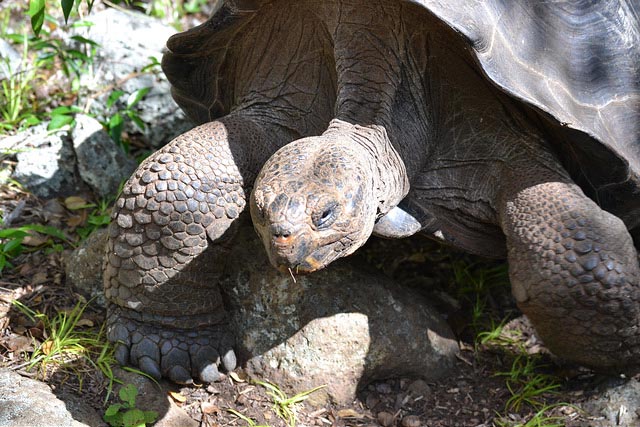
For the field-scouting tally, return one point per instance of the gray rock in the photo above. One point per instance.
(83, 267)
(46, 162)
(341, 326)
(10, 60)
(618, 405)
(66, 162)
(27, 402)
(101, 163)
(127, 42)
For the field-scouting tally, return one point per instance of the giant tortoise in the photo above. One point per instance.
(506, 128)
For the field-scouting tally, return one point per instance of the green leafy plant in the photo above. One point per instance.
(11, 241)
(18, 104)
(126, 414)
(98, 217)
(283, 405)
(17, 88)
(474, 283)
(10, 246)
(37, 11)
(115, 122)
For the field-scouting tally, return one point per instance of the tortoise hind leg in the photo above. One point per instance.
(166, 248)
(574, 271)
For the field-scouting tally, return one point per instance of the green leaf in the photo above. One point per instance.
(133, 417)
(150, 417)
(36, 12)
(136, 96)
(58, 121)
(114, 420)
(112, 409)
(115, 127)
(45, 229)
(31, 120)
(61, 110)
(12, 233)
(153, 63)
(85, 40)
(136, 119)
(13, 247)
(128, 395)
(115, 95)
(67, 5)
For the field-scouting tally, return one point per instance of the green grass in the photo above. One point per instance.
(250, 422)
(527, 384)
(283, 406)
(64, 341)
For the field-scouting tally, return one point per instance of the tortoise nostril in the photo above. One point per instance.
(280, 233)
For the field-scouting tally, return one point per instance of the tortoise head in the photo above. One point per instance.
(314, 202)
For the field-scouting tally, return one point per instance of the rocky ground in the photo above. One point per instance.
(504, 379)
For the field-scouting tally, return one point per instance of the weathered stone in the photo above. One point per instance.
(617, 405)
(101, 163)
(27, 402)
(339, 327)
(46, 162)
(83, 266)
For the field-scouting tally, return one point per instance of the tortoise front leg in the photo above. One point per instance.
(574, 271)
(166, 248)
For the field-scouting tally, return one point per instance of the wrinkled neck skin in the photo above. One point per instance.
(317, 199)
(376, 154)
(381, 56)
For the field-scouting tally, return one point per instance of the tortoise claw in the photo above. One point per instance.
(122, 353)
(179, 375)
(149, 366)
(229, 360)
(210, 373)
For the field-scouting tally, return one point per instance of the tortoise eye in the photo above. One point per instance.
(326, 216)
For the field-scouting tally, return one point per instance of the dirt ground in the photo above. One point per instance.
(479, 393)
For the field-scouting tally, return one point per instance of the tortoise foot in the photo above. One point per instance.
(179, 354)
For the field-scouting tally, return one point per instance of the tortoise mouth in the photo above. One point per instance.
(301, 256)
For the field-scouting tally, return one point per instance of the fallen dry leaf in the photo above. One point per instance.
(75, 202)
(85, 322)
(39, 278)
(176, 396)
(34, 239)
(209, 408)
(236, 377)
(77, 220)
(47, 347)
(349, 413)
(19, 343)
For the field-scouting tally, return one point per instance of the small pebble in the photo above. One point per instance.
(386, 419)
(411, 421)
(419, 388)
(383, 388)
(371, 401)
